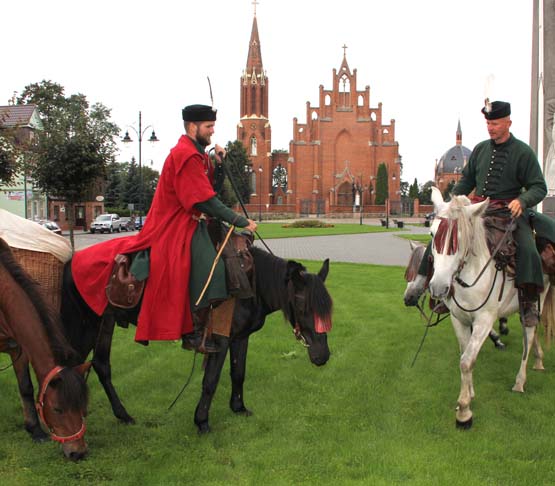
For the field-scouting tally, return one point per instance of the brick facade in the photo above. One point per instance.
(333, 158)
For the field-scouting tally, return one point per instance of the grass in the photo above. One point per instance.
(421, 237)
(277, 230)
(366, 418)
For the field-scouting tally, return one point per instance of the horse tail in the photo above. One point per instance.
(548, 315)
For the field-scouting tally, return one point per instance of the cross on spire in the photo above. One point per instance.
(344, 48)
(255, 3)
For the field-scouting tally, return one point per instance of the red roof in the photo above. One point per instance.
(16, 115)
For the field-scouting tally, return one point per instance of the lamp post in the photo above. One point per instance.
(260, 193)
(127, 139)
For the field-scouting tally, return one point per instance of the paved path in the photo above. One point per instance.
(379, 248)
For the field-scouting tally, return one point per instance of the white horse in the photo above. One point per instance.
(466, 279)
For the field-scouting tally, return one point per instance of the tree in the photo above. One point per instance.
(448, 191)
(425, 196)
(414, 190)
(236, 163)
(8, 159)
(75, 147)
(382, 188)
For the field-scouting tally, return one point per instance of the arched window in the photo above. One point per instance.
(253, 146)
(279, 178)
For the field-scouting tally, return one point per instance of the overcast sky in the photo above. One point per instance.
(428, 62)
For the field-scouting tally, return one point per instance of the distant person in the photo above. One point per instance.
(507, 171)
(180, 251)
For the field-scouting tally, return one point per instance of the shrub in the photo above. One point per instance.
(309, 223)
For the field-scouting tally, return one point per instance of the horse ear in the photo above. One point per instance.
(294, 271)
(323, 273)
(82, 369)
(437, 198)
(477, 209)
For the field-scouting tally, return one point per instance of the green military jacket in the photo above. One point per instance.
(502, 171)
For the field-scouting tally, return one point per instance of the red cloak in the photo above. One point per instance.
(165, 312)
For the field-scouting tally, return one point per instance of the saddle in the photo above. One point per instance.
(238, 262)
(497, 221)
(123, 289)
(500, 237)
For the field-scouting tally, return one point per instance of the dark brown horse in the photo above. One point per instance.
(280, 285)
(31, 332)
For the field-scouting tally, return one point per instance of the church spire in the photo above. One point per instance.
(254, 58)
(254, 83)
(459, 134)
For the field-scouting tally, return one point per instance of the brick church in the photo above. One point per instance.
(333, 158)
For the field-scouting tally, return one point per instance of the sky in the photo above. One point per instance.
(429, 62)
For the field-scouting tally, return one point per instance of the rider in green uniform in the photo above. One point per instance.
(506, 169)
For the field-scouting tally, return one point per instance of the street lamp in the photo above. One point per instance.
(127, 139)
(260, 193)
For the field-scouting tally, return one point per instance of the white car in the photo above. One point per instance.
(106, 223)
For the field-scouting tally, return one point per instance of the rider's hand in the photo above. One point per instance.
(252, 226)
(516, 208)
(220, 153)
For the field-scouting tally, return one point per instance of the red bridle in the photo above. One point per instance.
(446, 237)
(40, 406)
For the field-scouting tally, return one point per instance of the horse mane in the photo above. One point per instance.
(59, 345)
(273, 275)
(472, 232)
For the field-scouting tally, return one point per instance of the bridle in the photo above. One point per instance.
(297, 331)
(40, 409)
(498, 267)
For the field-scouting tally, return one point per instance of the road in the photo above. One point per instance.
(378, 248)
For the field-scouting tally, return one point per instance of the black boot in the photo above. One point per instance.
(199, 340)
(528, 303)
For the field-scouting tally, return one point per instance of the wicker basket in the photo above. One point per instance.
(46, 269)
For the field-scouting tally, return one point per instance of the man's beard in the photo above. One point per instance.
(203, 141)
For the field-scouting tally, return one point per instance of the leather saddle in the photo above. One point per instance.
(123, 289)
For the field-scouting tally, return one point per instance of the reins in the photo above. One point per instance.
(429, 323)
(236, 191)
(463, 284)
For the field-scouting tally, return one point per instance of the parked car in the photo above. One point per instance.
(51, 225)
(127, 223)
(138, 223)
(106, 223)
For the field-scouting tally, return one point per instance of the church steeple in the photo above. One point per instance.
(254, 83)
(459, 134)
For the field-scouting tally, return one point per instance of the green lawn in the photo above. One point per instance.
(366, 418)
(420, 237)
(277, 230)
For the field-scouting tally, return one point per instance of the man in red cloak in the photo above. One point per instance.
(183, 199)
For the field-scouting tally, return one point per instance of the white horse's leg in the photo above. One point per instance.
(480, 331)
(529, 337)
(538, 353)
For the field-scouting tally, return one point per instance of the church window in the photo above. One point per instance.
(327, 100)
(345, 85)
(315, 115)
(253, 146)
(360, 100)
(279, 178)
(373, 116)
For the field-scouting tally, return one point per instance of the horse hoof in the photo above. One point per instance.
(127, 420)
(499, 345)
(464, 425)
(518, 388)
(242, 410)
(203, 429)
